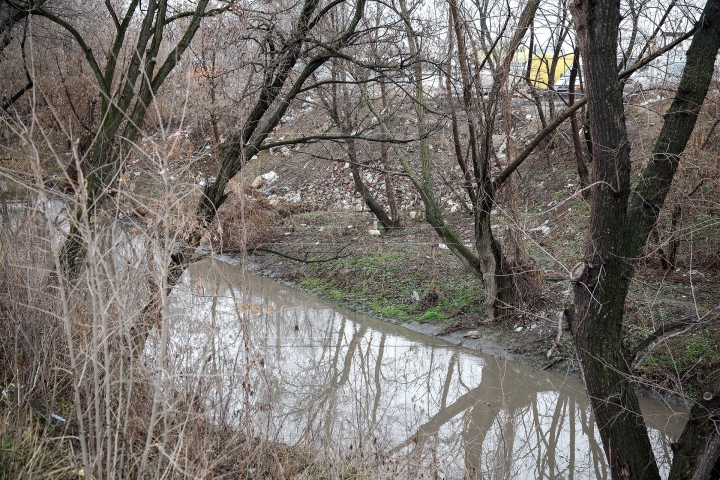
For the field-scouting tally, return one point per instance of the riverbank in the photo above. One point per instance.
(407, 276)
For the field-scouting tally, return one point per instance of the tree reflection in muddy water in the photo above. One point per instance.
(278, 365)
(284, 366)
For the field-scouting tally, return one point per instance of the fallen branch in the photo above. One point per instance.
(8, 103)
(663, 330)
(289, 257)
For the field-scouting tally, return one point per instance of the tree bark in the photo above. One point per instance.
(389, 191)
(467, 176)
(530, 83)
(697, 452)
(493, 264)
(599, 297)
(619, 227)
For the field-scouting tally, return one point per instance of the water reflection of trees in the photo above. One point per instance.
(300, 371)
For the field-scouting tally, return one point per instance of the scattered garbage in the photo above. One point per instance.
(58, 418)
(415, 296)
(179, 133)
(293, 197)
(270, 177)
(442, 246)
(517, 328)
(474, 334)
(257, 183)
(542, 229)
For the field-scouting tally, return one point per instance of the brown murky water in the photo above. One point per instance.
(292, 368)
(288, 367)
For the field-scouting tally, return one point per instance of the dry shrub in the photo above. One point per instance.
(685, 236)
(79, 392)
(528, 291)
(27, 451)
(243, 222)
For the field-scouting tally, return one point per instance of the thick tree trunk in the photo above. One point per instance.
(493, 265)
(697, 452)
(619, 227)
(599, 296)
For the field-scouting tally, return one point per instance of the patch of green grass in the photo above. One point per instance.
(322, 288)
(464, 294)
(393, 311)
(698, 349)
(431, 314)
(382, 284)
(560, 194)
(686, 361)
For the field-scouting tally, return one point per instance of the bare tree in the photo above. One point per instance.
(126, 88)
(489, 264)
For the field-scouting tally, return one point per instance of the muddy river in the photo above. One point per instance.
(284, 366)
(292, 368)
